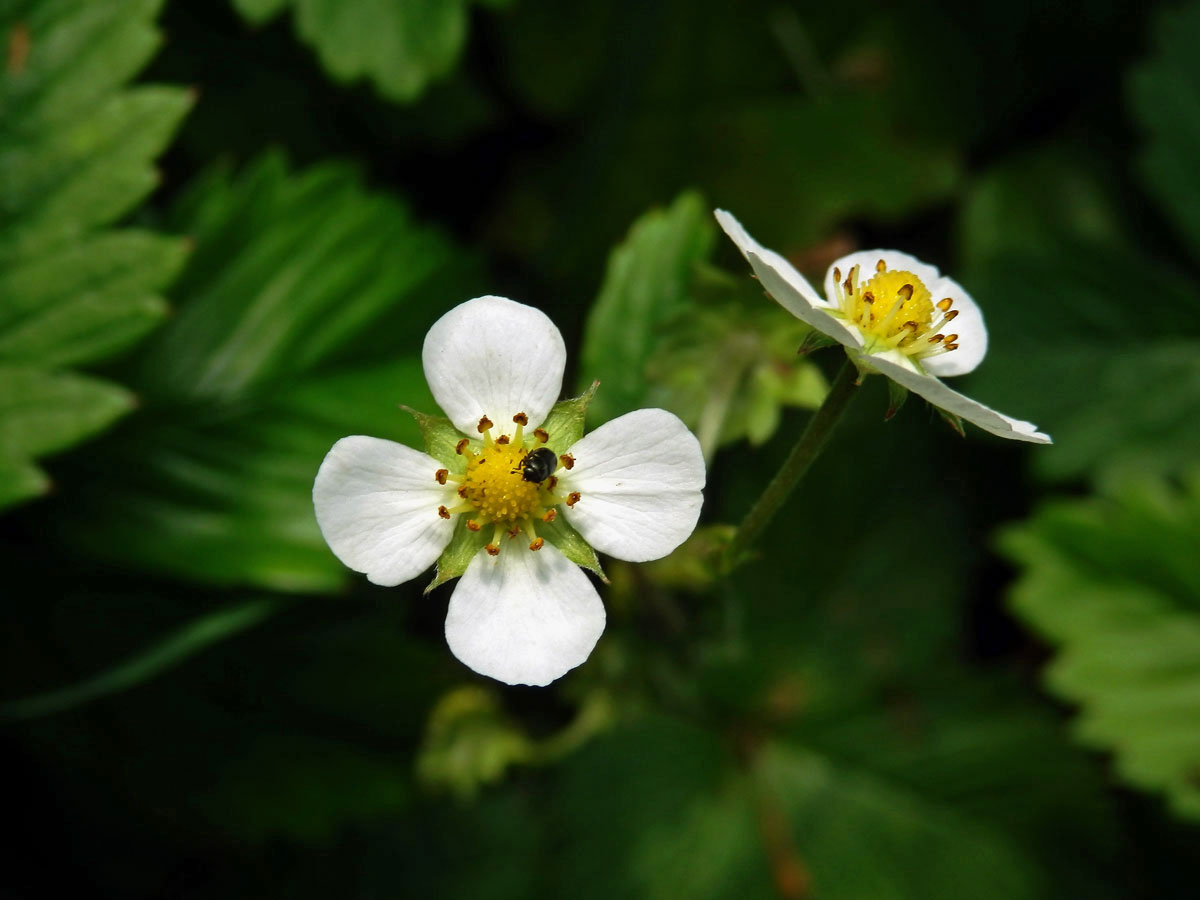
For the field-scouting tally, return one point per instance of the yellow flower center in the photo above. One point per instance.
(508, 483)
(894, 310)
(894, 300)
(495, 485)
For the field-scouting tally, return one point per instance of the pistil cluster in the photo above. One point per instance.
(499, 487)
(895, 311)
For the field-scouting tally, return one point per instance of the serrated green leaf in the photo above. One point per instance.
(564, 423)
(400, 45)
(288, 270)
(646, 285)
(76, 153)
(1114, 583)
(1162, 96)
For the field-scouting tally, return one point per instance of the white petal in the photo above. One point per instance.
(972, 333)
(898, 367)
(639, 477)
(786, 286)
(496, 358)
(523, 617)
(377, 507)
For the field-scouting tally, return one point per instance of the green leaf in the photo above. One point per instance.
(400, 45)
(780, 820)
(1163, 95)
(171, 651)
(646, 285)
(1057, 305)
(668, 330)
(1114, 583)
(76, 153)
(916, 848)
(300, 314)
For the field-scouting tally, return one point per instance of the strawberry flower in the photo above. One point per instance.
(895, 315)
(509, 495)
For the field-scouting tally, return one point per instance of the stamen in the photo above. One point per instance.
(493, 548)
(461, 446)
(881, 266)
(944, 304)
(905, 292)
(537, 544)
(541, 434)
(552, 483)
(472, 525)
(503, 439)
(443, 512)
(567, 460)
(550, 516)
(521, 419)
(484, 424)
(573, 498)
(440, 475)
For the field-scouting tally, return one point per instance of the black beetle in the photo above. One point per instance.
(538, 465)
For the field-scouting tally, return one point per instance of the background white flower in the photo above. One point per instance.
(522, 612)
(895, 315)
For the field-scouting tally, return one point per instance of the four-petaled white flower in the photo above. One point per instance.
(522, 612)
(893, 314)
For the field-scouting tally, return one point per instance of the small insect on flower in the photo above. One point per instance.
(538, 465)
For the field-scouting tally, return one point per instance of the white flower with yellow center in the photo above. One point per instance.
(489, 499)
(895, 315)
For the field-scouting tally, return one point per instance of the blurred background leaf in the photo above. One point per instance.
(400, 45)
(1113, 582)
(299, 318)
(76, 152)
(669, 330)
(1164, 97)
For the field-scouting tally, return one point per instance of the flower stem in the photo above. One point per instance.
(807, 449)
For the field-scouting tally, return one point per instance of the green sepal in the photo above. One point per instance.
(459, 552)
(440, 438)
(565, 422)
(897, 394)
(814, 341)
(954, 421)
(570, 543)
